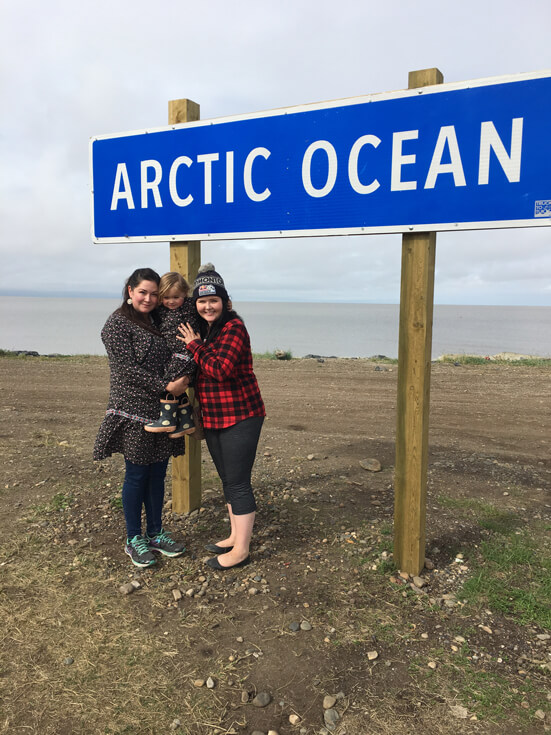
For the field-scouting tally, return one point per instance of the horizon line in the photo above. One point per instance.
(20, 293)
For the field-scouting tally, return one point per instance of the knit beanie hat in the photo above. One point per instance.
(209, 283)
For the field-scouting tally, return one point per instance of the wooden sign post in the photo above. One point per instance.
(414, 368)
(185, 258)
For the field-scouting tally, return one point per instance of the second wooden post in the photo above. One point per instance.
(414, 369)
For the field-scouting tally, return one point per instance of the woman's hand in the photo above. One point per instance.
(188, 335)
(177, 387)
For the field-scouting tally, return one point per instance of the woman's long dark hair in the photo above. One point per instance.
(208, 335)
(127, 310)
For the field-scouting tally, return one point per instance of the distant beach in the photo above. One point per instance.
(73, 325)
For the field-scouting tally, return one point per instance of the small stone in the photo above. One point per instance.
(429, 564)
(199, 683)
(486, 629)
(68, 661)
(310, 457)
(273, 732)
(257, 732)
(177, 595)
(126, 589)
(372, 655)
(329, 701)
(294, 719)
(540, 714)
(240, 639)
(331, 717)
(543, 636)
(244, 697)
(189, 592)
(419, 582)
(371, 465)
(305, 625)
(262, 699)
(175, 724)
(210, 683)
(424, 636)
(459, 639)
(432, 665)
(253, 591)
(293, 627)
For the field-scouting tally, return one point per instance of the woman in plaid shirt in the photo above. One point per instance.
(231, 407)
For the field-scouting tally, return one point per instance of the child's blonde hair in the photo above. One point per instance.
(171, 279)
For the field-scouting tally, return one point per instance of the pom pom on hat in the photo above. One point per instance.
(206, 267)
(209, 283)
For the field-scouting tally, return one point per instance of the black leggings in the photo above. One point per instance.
(233, 451)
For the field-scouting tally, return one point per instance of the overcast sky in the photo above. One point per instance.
(74, 70)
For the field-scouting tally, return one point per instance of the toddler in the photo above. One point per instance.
(175, 307)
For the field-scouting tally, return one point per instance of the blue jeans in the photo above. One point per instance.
(144, 486)
(233, 452)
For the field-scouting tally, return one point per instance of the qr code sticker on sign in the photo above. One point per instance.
(543, 208)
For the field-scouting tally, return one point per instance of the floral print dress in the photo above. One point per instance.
(138, 360)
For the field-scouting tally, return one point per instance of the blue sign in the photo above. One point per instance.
(472, 155)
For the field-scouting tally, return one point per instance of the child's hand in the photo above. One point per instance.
(188, 335)
(177, 387)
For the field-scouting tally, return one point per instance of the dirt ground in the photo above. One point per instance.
(321, 555)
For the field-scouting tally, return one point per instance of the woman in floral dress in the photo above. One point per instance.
(138, 357)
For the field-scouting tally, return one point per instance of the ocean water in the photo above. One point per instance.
(72, 326)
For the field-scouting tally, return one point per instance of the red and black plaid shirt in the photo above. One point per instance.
(226, 386)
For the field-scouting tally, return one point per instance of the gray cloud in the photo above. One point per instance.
(74, 70)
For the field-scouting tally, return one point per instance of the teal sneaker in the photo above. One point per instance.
(137, 549)
(165, 544)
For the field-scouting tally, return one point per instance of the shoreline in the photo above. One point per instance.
(456, 358)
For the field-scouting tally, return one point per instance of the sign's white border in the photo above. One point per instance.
(377, 97)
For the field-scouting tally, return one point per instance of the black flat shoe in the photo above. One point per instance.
(215, 564)
(214, 549)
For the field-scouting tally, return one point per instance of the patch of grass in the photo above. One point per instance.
(453, 503)
(274, 355)
(384, 359)
(487, 360)
(17, 355)
(115, 501)
(488, 516)
(500, 522)
(512, 576)
(490, 696)
(61, 501)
